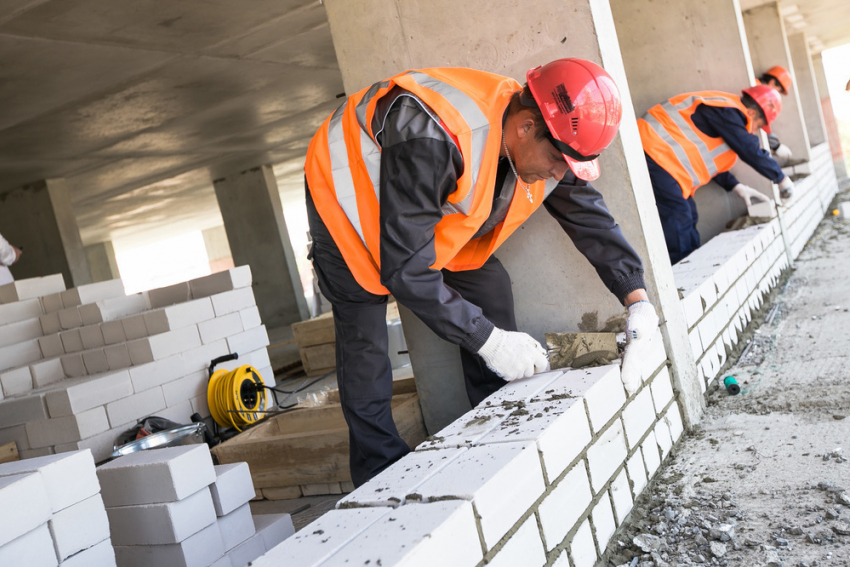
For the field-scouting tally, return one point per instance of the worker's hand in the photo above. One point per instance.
(746, 193)
(18, 253)
(640, 326)
(784, 153)
(513, 355)
(786, 188)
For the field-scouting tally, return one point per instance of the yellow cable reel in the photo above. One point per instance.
(237, 398)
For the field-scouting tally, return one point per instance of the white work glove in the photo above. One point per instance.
(783, 152)
(786, 188)
(513, 355)
(746, 193)
(640, 326)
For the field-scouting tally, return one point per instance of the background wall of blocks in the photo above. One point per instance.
(80, 366)
(723, 282)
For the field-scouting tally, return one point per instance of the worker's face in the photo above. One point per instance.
(537, 159)
(756, 121)
(774, 84)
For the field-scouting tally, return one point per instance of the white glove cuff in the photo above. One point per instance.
(786, 183)
(493, 344)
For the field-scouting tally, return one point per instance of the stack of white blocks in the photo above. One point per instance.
(106, 360)
(53, 514)
(173, 507)
(540, 473)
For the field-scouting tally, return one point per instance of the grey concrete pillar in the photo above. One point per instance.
(253, 219)
(102, 264)
(218, 249)
(768, 47)
(671, 47)
(807, 88)
(554, 286)
(39, 219)
(829, 118)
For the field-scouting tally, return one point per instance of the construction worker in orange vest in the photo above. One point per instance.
(415, 181)
(697, 137)
(779, 79)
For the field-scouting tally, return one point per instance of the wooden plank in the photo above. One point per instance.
(318, 358)
(315, 331)
(282, 492)
(9, 453)
(283, 452)
(321, 488)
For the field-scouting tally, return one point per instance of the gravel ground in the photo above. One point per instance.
(764, 480)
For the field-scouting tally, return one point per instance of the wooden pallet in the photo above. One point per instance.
(8, 453)
(305, 451)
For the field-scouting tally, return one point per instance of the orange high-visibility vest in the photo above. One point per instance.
(343, 170)
(691, 157)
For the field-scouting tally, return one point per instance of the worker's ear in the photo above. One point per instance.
(755, 119)
(525, 128)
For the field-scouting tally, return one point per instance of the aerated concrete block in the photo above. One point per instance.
(186, 388)
(134, 327)
(71, 341)
(52, 303)
(50, 323)
(503, 480)
(621, 496)
(31, 288)
(524, 548)
(169, 295)
(220, 327)
(250, 318)
(118, 356)
(135, 406)
(199, 358)
(20, 311)
(69, 318)
(152, 374)
(33, 549)
(220, 282)
(273, 528)
(100, 555)
(163, 345)
(154, 476)
(606, 454)
(16, 434)
(232, 487)
(444, 532)
(158, 524)
(113, 332)
(79, 526)
(247, 551)
(55, 471)
(521, 390)
(248, 341)
(91, 336)
(603, 520)
(17, 411)
(582, 547)
(20, 331)
(19, 354)
(95, 361)
(46, 372)
(25, 505)
(638, 417)
(231, 301)
(179, 316)
(90, 392)
(236, 527)
(51, 345)
(67, 429)
(605, 396)
(400, 479)
(322, 538)
(114, 309)
(16, 381)
(73, 365)
(90, 293)
(562, 508)
(199, 550)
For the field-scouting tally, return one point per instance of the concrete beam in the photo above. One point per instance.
(831, 127)
(768, 47)
(256, 230)
(39, 218)
(807, 88)
(102, 264)
(555, 288)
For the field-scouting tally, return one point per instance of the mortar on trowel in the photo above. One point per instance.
(581, 350)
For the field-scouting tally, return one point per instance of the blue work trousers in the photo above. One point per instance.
(678, 215)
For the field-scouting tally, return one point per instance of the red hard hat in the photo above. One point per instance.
(581, 106)
(768, 100)
(782, 75)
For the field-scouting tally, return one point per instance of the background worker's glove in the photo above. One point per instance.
(782, 154)
(746, 193)
(640, 326)
(513, 355)
(786, 188)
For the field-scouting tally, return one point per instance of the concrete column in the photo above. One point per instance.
(102, 264)
(554, 286)
(807, 88)
(253, 219)
(768, 47)
(671, 47)
(39, 219)
(218, 249)
(829, 118)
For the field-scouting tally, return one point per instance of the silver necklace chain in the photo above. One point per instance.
(513, 168)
